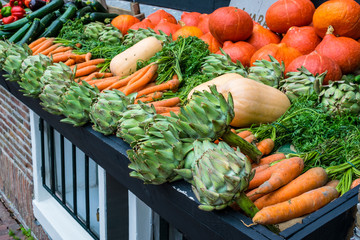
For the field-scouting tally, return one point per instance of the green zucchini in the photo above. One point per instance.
(20, 33)
(45, 21)
(31, 33)
(14, 25)
(50, 7)
(96, 6)
(4, 34)
(101, 17)
(83, 11)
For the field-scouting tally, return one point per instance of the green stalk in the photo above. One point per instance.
(247, 148)
(246, 205)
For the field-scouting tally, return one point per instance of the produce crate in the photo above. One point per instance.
(176, 203)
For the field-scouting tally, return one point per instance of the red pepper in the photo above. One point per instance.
(9, 19)
(1, 16)
(18, 12)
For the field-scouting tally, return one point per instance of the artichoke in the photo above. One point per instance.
(267, 72)
(134, 36)
(14, 58)
(110, 35)
(4, 47)
(92, 30)
(106, 111)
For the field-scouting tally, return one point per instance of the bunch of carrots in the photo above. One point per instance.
(281, 190)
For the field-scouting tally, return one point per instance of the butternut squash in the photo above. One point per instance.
(124, 63)
(254, 102)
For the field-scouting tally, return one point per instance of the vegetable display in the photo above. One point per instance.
(212, 99)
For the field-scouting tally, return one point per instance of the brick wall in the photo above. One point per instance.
(16, 182)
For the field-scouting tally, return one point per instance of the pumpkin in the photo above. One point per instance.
(167, 27)
(317, 64)
(254, 102)
(284, 14)
(303, 39)
(343, 15)
(280, 52)
(204, 23)
(125, 63)
(124, 22)
(239, 51)
(156, 17)
(190, 18)
(262, 36)
(344, 51)
(214, 44)
(230, 24)
(145, 24)
(187, 31)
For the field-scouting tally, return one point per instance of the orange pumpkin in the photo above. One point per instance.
(145, 24)
(317, 64)
(262, 36)
(204, 23)
(124, 22)
(214, 44)
(230, 24)
(280, 52)
(284, 14)
(167, 27)
(156, 17)
(343, 15)
(187, 31)
(344, 51)
(239, 51)
(303, 39)
(190, 18)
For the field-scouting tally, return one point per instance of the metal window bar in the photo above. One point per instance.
(48, 160)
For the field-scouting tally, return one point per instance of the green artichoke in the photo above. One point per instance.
(134, 36)
(15, 55)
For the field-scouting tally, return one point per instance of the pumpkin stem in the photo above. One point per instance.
(330, 30)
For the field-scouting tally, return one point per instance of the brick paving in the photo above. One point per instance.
(7, 222)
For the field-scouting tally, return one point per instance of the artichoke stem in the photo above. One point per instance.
(247, 148)
(246, 205)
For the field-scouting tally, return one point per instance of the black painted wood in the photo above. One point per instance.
(176, 203)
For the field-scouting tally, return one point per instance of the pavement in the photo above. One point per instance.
(8, 222)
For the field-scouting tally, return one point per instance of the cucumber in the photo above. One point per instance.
(50, 7)
(96, 6)
(14, 25)
(19, 34)
(100, 17)
(31, 33)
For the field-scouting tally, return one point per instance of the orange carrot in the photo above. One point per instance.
(35, 48)
(47, 43)
(143, 80)
(170, 102)
(284, 172)
(169, 85)
(78, 58)
(137, 74)
(261, 168)
(355, 183)
(298, 206)
(49, 49)
(102, 85)
(169, 113)
(85, 71)
(150, 97)
(269, 159)
(89, 63)
(119, 83)
(63, 57)
(60, 49)
(36, 42)
(244, 134)
(311, 179)
(78, 45)
(266, 146)
(87, 57)
(333, 183)
(250, 138)
(166, 109)
(261, 176)
(253, 196)
(69, 62)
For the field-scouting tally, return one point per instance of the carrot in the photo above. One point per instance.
(49, 49)
(78, 58)
(333, 183)
(253, 196)
(47, 43)
(69, 62)
(250, 138)
(39, 45)
(261, 168)
(170, 102)
(99, 75)
(137, 74)
(269, 159)
(143, 80)
(89, 63)
(102, 85)
(169, 113)
(261, 176)
(78, 45)
(119, 83)
(311, 179)
(63, 57)
(285, 171)
(36, 42)
(166, 109)
(87, 57)
(266, 146)
(169, 85)
(298, 206)
(85, 71)
(60, 49)
(355, 183)
(150, 97)
(244, 134)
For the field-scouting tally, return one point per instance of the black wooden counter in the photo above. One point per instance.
(175, 202)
